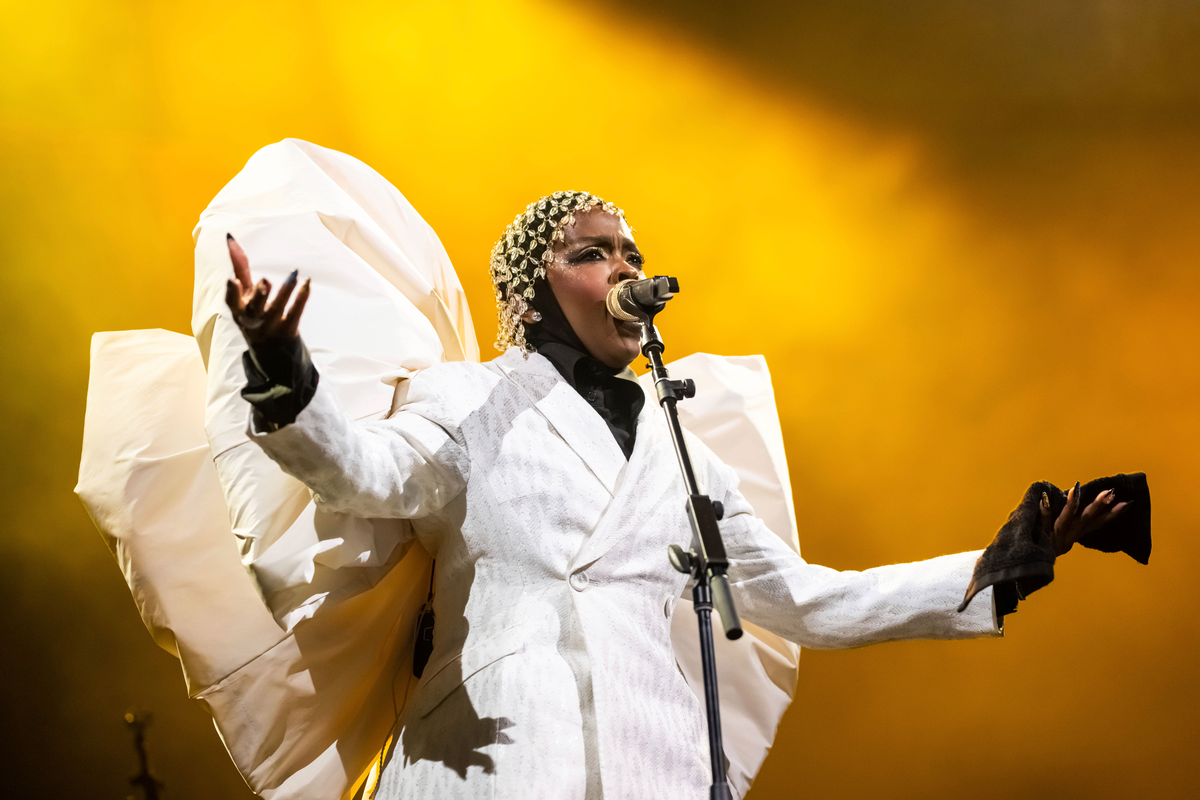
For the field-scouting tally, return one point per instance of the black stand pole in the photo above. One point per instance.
(705, 561)
(137, 722)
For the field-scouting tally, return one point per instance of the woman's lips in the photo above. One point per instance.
(625, 327)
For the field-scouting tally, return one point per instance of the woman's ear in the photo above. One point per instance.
(531, 316)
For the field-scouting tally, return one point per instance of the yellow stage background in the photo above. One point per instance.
(964, 235)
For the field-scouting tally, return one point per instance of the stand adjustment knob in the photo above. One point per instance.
(680, 559)
(681, 390)
(719, 509)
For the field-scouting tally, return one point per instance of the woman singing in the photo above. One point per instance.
(545, 486)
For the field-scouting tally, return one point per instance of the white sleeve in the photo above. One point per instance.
(823, 608)
(406, 466)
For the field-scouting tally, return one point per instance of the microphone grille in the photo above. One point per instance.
(614, 302)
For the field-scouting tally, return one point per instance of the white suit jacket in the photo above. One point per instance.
(552, 673)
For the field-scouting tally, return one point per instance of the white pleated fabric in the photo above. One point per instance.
(294, 623)
(387, 304)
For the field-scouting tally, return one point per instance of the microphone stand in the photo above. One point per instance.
(705, 561)
(137, 722)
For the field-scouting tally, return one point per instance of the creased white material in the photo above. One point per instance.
(146, 478)
(304, 700)
(387, 304)
(315, 701)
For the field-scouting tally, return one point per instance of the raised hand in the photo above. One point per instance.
(1074, 523)
(259, 320)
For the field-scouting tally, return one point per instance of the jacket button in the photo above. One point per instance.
(579, 581)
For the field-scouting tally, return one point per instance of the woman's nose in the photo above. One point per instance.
(626, 271)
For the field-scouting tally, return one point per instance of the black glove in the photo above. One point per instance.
(1020, 560)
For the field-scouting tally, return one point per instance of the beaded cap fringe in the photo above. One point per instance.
(523, 253)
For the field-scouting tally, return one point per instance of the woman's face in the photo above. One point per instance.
(597, 253)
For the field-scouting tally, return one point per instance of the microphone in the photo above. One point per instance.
(639, 301)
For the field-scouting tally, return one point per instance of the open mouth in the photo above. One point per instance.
(627, 327)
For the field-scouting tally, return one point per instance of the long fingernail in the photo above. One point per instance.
(229, 237)
(293, 276)
(1076, 489)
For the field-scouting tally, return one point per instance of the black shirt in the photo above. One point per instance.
(616, 396)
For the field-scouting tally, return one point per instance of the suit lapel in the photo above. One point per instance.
(569, 415)
(651, 472)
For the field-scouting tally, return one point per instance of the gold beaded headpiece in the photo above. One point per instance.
(525, 250)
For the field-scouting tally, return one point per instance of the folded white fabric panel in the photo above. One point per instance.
(385, 303)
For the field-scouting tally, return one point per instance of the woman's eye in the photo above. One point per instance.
(636, 260)
(591, 254)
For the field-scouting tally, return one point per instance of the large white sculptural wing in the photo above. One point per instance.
(299, 650)
(387, 304)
